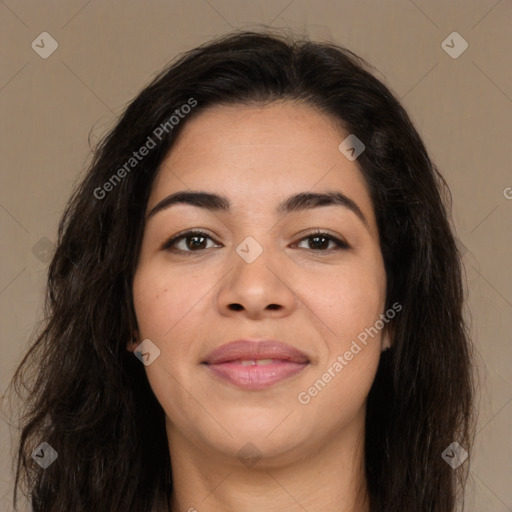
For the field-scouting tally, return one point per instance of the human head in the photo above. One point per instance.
(418, 402)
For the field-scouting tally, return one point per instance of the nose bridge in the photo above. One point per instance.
(253, 282)
(255, 235)
(252, 260)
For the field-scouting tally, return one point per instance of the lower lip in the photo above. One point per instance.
(255, 377)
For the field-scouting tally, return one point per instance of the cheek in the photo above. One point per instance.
(360, 298)
(348, 299)
(349, 302)
(339, 385)
(161, 299)
(164, 305)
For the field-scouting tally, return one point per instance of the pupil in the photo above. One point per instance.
(191, 246)
(316, 238)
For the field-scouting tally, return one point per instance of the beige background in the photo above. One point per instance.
(107, 51)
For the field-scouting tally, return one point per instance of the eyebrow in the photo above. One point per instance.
(295, 203)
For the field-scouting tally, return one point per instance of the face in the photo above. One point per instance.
(309, 275)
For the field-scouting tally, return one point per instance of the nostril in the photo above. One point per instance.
(238, 307)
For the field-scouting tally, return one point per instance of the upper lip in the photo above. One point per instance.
(255, 349)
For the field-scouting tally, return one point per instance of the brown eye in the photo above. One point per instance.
(190, 241)
(319, 242)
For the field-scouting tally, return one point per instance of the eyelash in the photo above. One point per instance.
(168, 246)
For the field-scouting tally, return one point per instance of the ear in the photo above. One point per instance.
(387, 338)
(133, 343)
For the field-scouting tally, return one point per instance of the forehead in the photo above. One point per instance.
(256, 155)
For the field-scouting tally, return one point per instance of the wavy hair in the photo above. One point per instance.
(89, 398)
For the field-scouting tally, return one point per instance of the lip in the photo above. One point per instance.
(225, 362)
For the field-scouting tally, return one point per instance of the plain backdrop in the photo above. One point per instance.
(459, 98)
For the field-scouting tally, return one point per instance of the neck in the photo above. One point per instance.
(327, 477)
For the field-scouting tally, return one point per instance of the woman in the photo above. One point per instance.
(255, 301)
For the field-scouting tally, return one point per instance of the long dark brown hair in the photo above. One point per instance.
(89, 398)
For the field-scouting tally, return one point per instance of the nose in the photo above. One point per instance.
(256, 289)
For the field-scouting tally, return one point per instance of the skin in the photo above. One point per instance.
(317, 300)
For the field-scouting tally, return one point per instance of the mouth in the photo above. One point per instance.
(254, 365)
